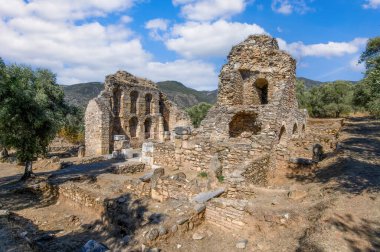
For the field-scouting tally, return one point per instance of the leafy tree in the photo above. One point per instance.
(328, 100)
(32, 109)
(198, 112)
(73, 128)
(367, 93)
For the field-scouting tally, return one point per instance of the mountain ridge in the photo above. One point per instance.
(80, 94)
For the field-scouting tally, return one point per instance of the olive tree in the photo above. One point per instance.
(32, 109)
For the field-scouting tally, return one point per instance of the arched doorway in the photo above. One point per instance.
(295, 129)
(133, 124)
(134, 97)
(261, 85)
(282, 136)
(148, 128)
(244, 122)
(148, 102)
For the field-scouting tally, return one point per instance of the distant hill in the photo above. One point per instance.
(80, 94)
(186, 97)
(310, 83)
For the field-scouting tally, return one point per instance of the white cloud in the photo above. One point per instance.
(197, 74)
(287, 7)
(193, 39)
(207, 10)
(156, 26)
(91, 50)
(327, 50)
(356, 66)
(371, 4)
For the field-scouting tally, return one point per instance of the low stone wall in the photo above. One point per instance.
(128, 168)
(226, 213)
(74, 193)
(164, 155)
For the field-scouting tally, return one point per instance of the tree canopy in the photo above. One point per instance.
(32, 109)
(198, 112)
(367, 93)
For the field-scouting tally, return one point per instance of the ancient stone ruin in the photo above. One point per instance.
(128, 112)
(244, 137)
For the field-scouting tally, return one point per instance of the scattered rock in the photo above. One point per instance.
(297, 194)
(174, 228)
(4, 213)
(153, 234)
(55, 159)
(206, 196)
(179, 246)
(127, 239)
(199, 208)
(241, 244)
(162, 230)
(81, 152)
(198, 236)
(94, 246)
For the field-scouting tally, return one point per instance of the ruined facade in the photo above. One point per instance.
(128, 112)
(245, 135)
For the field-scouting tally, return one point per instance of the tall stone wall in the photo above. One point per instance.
(133, 108)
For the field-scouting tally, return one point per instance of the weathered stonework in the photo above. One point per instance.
(245, 136)
(129, 109)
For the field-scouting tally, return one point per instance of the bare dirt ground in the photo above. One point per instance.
(338, 208)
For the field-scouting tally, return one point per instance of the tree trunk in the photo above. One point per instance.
(28, 170)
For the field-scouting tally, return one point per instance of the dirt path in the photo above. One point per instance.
(350, 182)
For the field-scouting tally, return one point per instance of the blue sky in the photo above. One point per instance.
(184, 40)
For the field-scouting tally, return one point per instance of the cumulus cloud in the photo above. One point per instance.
(207, 10)
(156, 26)
(356, 66)
(287, 7)
(90, 50)
(371, 4)
(193, 39)
(197, 74)
(327, 50)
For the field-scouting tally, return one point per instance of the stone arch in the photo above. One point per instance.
(244, 122)
(165, 113)
(261, 85)
(133, 126)
(134, 97)
(148, 103)
(295, 129)
(282, 137)
(148, 128)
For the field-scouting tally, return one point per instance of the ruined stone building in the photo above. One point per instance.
(244, 137)
(130, 110)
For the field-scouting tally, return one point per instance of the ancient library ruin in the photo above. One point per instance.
(244, 137)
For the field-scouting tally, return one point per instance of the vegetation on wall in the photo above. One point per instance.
(198, 112)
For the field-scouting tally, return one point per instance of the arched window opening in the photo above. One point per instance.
(133, 124)
(134, 97)
(244, 122)
(148, 102)
(164, 113)
(148, 127)
(295, 129)
(282, 136)
(116, 102)
(262, 89)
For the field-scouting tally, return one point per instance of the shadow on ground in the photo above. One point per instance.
(356, 168)
(122, 218)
